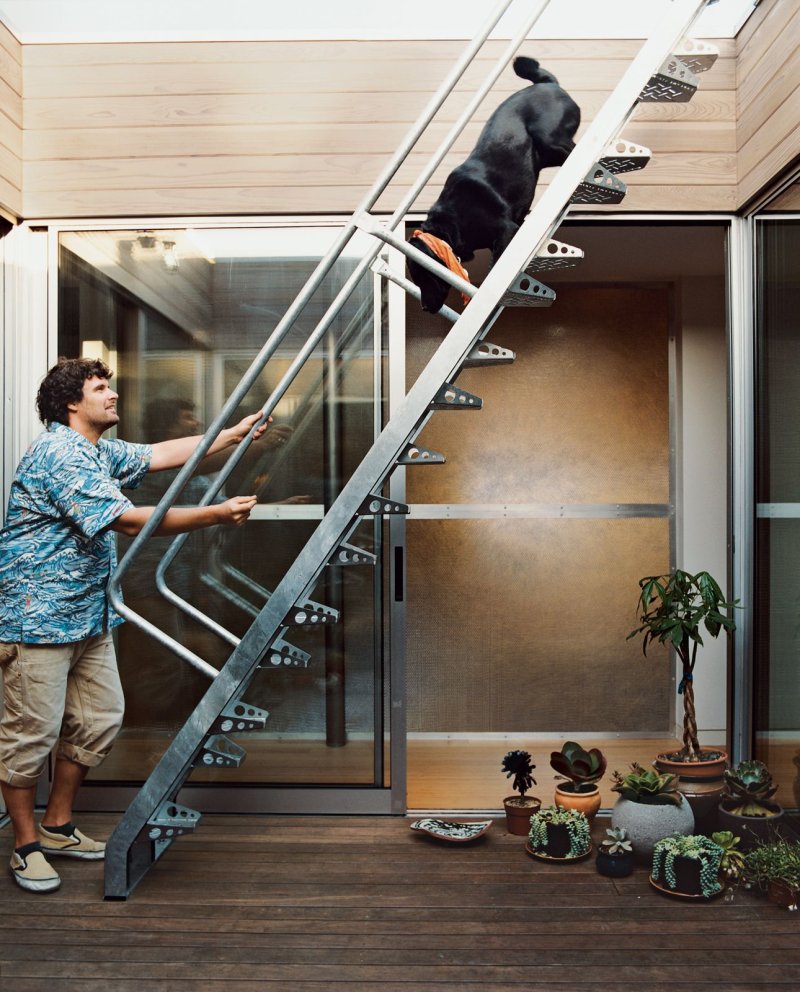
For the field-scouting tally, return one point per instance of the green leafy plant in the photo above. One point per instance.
(647, 786)
(749, 785)
(583, 768)
(671, 610)
(732, 861)
(693, 846)
(617, 841)
(776, 860)
(576, 823)
(519, 765)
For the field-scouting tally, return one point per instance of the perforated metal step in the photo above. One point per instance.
(171, 820)
(673, 83)
(281, 654)
(220, 752)
(625, 156)
(487, 354)
(348, 554)
(415, 454)
(554, 255)
(526, 291)
(599, 186)
(452, 397)
(697, 56)
(240, 716)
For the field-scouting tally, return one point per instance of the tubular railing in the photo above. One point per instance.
(287, 322)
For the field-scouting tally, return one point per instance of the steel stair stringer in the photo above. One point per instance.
(154, 818)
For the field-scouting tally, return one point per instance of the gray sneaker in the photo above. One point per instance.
(77, 845)
(33, 872)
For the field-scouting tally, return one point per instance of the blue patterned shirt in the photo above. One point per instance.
(56, 553)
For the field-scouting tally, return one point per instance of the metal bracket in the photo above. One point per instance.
(171, 820)
(525, 291)
(307, 613)
(485, 354)
(554, 255)
(450, 397)
(673, 83)
(220, 752)
(698, 56)
(374, 504)
(281, 654)
(624, 156)
(347, 554)
(240, 716)
(415, 454)
(599, 186)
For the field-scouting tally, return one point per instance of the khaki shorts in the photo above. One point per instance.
(64, 694)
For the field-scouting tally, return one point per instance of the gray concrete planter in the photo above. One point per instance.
(647, 823)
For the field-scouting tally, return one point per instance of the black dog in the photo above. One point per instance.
(486, 198)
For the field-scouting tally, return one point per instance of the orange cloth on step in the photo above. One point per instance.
(446, 255)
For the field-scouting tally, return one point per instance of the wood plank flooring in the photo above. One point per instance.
(356, 904)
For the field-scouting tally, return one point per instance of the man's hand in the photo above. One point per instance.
(235, 511)
(243, 428)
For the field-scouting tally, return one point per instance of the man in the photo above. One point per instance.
(57, 551)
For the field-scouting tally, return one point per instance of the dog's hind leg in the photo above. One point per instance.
(503, 239)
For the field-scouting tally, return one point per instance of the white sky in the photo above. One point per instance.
(219, 20)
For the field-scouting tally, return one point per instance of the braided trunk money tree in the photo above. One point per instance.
(672, 609)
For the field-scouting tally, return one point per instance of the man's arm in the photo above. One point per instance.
(179, 520)
(176, 452)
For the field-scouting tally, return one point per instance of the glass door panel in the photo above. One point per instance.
(180, 315)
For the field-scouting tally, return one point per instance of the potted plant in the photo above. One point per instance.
(615, 856)
(649, 807)
(732, 863)
(671, 610)
(583, 769)
(687, 865)
(774, 868)
(519, 808)
(558, 834)
(746, 807)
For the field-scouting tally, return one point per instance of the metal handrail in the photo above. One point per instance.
(294, 310)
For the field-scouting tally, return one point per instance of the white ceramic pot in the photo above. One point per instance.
(647, 823)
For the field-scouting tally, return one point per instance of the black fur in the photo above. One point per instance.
(486, 198)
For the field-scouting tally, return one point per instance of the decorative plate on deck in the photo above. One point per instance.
(453, 830)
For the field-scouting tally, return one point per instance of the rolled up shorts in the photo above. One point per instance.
(67, 695)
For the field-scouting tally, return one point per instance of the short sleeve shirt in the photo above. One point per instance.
(56, 553)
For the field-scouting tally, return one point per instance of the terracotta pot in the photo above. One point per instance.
(711, 767)
(519, 810)
(752, 829)
(587, 803)
(783, 894)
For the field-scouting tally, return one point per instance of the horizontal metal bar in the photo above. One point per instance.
(537, 511)
(383, 269)
(786, 511)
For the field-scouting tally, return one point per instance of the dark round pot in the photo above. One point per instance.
(752, 829)
(557, 841)
(614, 865)
(687, 875)
(783, 894)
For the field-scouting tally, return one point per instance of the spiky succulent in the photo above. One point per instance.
(519, 764)
(580, 766)
(647, 786)
(750, 785)
(617, 842)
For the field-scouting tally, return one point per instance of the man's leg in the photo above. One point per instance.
(67, 779)
(19, 804)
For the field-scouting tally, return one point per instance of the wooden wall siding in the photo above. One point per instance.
(768, 95)
(10, 123)
(287, 127)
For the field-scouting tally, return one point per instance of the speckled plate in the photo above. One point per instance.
(455, 831)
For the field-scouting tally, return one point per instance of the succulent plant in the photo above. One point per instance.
(617, 842)
(732, 862)
(647, 786)
(519, 764)
(750, 785)
(583, 768)
(575, 822)
(694, 846)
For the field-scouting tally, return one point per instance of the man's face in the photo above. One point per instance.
(98, 406)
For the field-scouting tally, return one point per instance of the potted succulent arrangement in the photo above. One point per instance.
(687, 865)
(746, 807)
(672, 609)
(615, 855)
(518, 764)
(649, 807)
(583, 769)
(558, 834)
(774, 868)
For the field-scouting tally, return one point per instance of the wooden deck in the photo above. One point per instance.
(351, 904)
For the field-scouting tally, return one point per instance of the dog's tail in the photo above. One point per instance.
(531, 70)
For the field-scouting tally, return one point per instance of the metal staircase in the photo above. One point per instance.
(590, 175)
